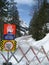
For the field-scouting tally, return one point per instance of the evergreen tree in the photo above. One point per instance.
(13, 14)
(8, 14)
(2, 8)
(38, 24)
(3, 13)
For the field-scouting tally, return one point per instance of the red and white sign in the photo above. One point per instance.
(8, 45)
(9, 28)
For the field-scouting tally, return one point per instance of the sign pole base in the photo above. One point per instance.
(5, 63)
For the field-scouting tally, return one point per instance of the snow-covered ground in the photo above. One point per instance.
(25, 42)
(23, 27)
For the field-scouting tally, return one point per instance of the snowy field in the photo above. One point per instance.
(25, 42)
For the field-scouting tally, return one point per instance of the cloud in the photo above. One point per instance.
(28, 2)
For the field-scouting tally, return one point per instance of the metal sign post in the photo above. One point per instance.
(9, 44)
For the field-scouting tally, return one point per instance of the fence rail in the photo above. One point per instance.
(36, 56)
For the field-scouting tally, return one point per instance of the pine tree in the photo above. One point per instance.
(38, 24)
(2, 7)
(3, 13)
(14, 15)
(9, 14)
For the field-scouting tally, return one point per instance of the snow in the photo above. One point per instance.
(25, 42)
(43, 42)
(23, 24)
(24, 27)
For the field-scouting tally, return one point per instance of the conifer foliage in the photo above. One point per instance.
(38, 25)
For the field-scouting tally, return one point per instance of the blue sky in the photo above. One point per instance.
(24, 9)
